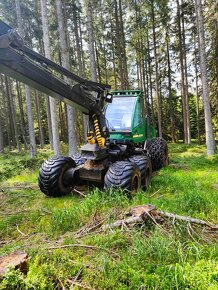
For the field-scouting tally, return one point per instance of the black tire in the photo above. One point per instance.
(123, 174)
(144, 164)
(78, 159)
(51, 173)
(158, 152)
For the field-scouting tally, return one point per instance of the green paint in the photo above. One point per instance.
(127, 119)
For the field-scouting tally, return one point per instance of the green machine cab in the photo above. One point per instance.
(126, 118)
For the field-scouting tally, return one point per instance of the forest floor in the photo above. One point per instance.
(148, 256)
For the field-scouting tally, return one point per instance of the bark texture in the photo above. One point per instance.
(30, 122)
(65, 58)
(1, 137)
(159, 109)
(210, 142)
(91, 41)
(52, 101)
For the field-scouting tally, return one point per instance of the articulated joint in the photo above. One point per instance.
(100, 139)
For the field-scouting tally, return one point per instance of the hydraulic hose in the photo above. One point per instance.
(90, 137)
(100, 139)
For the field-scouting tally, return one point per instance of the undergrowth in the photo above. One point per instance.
(144, 257)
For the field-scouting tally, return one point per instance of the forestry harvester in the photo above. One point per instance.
(122, 148)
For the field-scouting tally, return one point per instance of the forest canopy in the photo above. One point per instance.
(150, 45)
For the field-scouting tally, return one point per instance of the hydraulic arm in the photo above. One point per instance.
(31, 68)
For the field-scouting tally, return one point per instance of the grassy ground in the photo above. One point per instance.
(146, 257)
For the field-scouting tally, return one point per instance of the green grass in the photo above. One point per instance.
(141, 258)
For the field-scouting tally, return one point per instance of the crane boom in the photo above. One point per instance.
(35, 70)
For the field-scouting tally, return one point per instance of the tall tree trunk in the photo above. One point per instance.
(10, 113)
(41, 135)
(6, 110)
(13, 111)
(216, 56)
(52, 101)
(150, 79)
(48, 113)
(210, 142)
(123, 46)
(118, 46)
(186, 80)
(91, 40)
(1, 137)
(181, 56)
(197, 90)
(79, 59)
(78, 46)
(147, 86)
(172, 119)
(65, 58)
(22, 120)
(27, 88)
(159, 107)
(30, 122)
(113, 54)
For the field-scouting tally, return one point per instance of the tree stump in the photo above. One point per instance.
(16, 260)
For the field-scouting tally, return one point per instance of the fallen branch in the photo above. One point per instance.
(153, 194)
(4, 242)
(79, 192)
(143, 213)
(120, 223)
(187, 219)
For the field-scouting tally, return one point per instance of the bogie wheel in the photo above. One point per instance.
(123, 174)
(144, 164)
(158, 152)
(50, 180)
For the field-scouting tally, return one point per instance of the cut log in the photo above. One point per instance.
(16, 260)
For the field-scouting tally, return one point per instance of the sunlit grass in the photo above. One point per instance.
(143, 257)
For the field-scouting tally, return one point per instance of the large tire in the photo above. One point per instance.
(123, 174)
(51, 173)
(158, 152)
(144, 164)
(78, 159)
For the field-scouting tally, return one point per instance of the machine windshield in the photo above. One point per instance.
(119, 113)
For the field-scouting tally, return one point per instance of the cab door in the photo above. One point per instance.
(138, 129)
